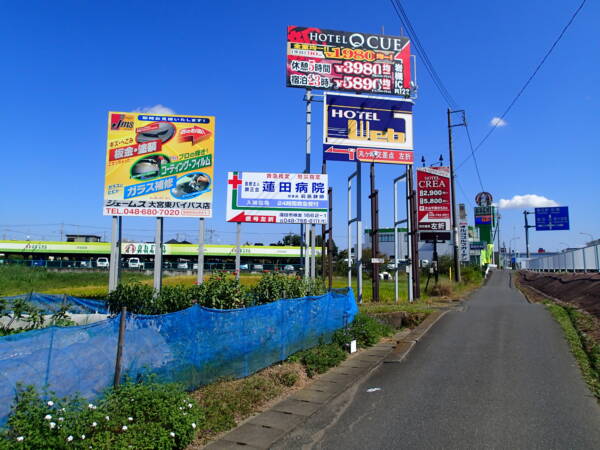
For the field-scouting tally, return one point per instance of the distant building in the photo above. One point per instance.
(83, 238)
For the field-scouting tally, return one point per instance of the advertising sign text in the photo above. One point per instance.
(344, 61)
(433, 203)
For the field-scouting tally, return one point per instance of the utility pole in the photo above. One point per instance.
(453, 190)
(499, 248)
(374, 236)
(527, 227)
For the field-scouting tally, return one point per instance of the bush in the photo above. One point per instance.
(137, 297)
(366, 330)
(221, 291)
(274, 286)
(319, 359)
(441, 289)
(471, 274)
(141, 416)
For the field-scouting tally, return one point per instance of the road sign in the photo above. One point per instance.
(258, 197)
(552, 219)
(368, 129)
(344, 61)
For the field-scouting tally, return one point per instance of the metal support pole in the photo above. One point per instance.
(414, 239)
(374, 237)
(158, 255)
(359, 237)
(409, 238)
(436, 272)
(349, 241)
(527, 227)
(114, 268)
(200, 279)
(453, 198)
(313, 255)
(499, 248)
(308, 99)
(330, 240)
(238, 249)
(120, 345)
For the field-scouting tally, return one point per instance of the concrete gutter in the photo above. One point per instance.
(263, 430)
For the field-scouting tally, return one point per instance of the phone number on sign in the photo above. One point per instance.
(157, 212)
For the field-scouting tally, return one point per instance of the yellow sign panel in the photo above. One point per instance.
(159, 165)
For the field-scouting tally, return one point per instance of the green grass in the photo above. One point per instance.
(564, 317)
(15, 280)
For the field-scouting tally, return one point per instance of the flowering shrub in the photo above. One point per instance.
(141, 416)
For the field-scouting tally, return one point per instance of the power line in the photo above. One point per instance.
(539, 66)
(474, 158)
(403, 16)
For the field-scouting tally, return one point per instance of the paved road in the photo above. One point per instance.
(498, 375)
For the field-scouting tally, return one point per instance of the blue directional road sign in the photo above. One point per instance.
(551, 219)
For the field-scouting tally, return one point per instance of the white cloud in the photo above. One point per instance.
(156, 109)
(498, 122)
(526, 201)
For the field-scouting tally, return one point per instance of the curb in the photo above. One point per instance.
(264, 429)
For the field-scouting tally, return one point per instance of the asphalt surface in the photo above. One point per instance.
(498, 375)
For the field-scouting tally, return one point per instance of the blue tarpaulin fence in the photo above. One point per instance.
(193, 347)
(51, 303)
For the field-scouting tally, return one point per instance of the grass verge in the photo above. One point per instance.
(579, 328)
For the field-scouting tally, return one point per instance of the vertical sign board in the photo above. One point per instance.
(344, 61)
(367, 129)
(258, 197)
(464, 247)
(159, 165)
(434, 211)
(552, 219)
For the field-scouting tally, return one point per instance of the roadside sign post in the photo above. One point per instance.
(554, 218)
(397, 243)
(158, 255)
(238, 249)
(201, 235)
(358, 219)
(114, 272)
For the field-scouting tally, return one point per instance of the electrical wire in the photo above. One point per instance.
(474, 158)
(403, 16)
(537, 69)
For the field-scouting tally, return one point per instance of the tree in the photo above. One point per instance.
(291, 239)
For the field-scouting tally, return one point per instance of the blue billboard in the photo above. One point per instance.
(367, 128)
(552, 219)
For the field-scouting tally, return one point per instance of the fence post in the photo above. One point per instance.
(120, 344)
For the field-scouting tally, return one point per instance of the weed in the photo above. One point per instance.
(319, 359)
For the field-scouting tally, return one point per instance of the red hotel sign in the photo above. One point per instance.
(434, 210)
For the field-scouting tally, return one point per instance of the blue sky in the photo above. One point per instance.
(67, 63)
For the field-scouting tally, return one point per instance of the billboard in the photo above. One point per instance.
(552, 218)
(267, 197)
(367, 128)
(434, 210)
(345, 61)
(464, 245)
(159, 165)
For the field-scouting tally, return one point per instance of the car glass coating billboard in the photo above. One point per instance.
(159, 165)
(346, 61)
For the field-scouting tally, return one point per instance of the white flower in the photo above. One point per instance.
(180, 408)
(70, 438)
(194, 426)
(47, 417)
(91, 406)
(50, 403)
(60, 419)
(124, 428)
(172, 434)
(20, 438)
(83, 436)
(107, 418)
(52, 425)
(63, 409)
(190, 405)
(94, 424)
(130, 419)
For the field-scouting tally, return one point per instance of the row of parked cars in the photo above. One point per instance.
(135, 263)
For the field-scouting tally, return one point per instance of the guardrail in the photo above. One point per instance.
(586, 259)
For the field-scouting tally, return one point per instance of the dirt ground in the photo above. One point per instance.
(582, 290)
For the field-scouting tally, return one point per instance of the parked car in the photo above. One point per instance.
(135, 263)
(102, 263)
(258, 267)
(183, 264)
(288, 268)
(244, 267)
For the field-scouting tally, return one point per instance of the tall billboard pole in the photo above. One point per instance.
(308, 228)
(453, 193)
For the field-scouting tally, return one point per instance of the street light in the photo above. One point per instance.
(565, 244)
(588, 234)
